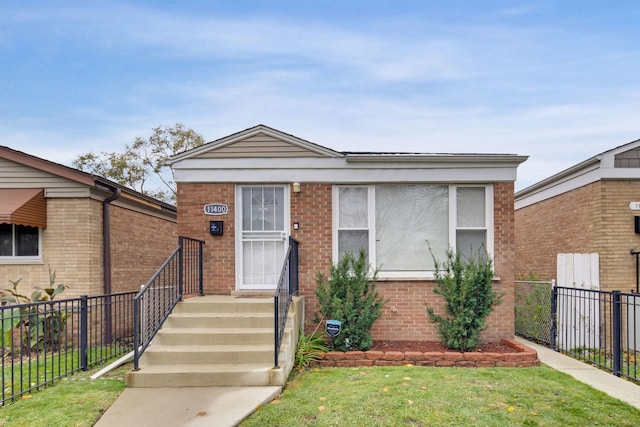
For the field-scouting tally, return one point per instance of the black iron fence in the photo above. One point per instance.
(45, 341)
(287, 287)
(598, 327)
(181, 274)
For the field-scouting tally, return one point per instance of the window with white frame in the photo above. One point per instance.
(401, 225)
(19, 242)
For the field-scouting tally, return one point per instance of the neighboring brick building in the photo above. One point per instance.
(274, 185)
(51, 216)
(584, 209)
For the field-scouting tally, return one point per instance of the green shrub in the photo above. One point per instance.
(469, 299)
(350, 296)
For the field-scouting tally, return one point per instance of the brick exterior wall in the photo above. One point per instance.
(311, 207)
(615, 234)
(219, 251)
(591, 219)
(72, 247)
(140, 243)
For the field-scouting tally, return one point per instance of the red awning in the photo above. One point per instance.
(23, 206)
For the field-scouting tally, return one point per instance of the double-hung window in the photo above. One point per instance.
(19, 242)
(402, 227)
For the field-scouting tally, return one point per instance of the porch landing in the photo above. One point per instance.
(219, 340)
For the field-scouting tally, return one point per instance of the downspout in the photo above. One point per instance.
(106, 259)
(106, 238)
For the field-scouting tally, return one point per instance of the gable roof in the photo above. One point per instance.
(622, 162)
(258, 141)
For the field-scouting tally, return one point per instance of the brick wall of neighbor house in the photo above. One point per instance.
(311, 207)
(616, 234)
(219, 251)
(561, 224)
(140, 243)
(71, 247)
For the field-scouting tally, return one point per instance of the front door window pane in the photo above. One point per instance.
(409, 220)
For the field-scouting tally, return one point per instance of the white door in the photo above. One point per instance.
(263, 231)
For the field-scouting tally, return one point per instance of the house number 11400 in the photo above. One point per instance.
(216, 209)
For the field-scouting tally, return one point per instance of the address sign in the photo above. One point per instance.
(216, 209)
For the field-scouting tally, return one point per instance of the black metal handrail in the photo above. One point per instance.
(180, 274)
(287, 287)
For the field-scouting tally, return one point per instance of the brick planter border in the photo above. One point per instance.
(524, 357)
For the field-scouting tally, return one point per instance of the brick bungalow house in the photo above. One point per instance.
(590, 208)
(266, 185)
(98, 236)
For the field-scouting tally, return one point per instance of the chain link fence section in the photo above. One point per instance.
(533, 310)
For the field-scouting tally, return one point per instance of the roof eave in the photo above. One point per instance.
(553, 179)
(510, 159)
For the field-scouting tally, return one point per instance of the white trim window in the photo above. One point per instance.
(20, 243)
(401, 225)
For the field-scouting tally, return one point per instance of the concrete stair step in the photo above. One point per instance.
(218, 341)
(203, 354)
(226, 305)
(219, 320)
(206, 375)
(208, 336)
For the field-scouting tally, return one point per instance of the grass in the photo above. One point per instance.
(26, 374)
(414, 396)
(74, 401)
(377, 396)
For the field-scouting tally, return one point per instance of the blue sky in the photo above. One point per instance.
(558, 81)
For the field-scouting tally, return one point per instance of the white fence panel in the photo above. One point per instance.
(579, 324)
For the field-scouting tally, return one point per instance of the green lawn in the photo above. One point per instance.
(75, 401)
(415, 396)
(394, 396)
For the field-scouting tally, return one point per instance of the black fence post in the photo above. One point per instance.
(136, 333)
(617, 333)
(84, 332)
(276, 325)
(554, 318)
(180, 267)
(200, 268)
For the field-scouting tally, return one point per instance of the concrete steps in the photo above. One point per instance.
(219, 341)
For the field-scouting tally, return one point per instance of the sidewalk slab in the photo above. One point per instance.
(186, 406)
(597, 378)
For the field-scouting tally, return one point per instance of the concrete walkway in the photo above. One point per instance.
(600, 380)
(228, 406)
(186, 406)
